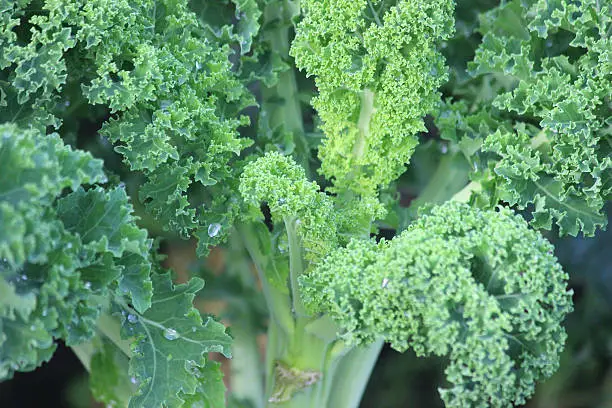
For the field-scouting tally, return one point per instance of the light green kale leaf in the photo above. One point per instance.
(377, 69)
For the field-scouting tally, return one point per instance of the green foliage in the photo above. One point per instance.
(282, 184)
(109, 380)
(127, 121)
(377, 70)
(170, 339)
(66, 251)
(168, 84)
(478, 286)
(43, 264)
(552, 70)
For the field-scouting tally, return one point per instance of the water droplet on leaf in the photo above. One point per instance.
(132, 318)
(385, 282)
(87, 285)
(171, 334)
(213, 229)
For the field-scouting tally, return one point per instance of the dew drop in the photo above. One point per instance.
(132, 318)
(194, 329)
(133, 380)
(213, 229)
(87, 285)
(45, 313)
(32, 328)
(67, 103)
(171, 334)
(444, 148)
(385, 282)
(198, 65)
(122, 185)
(69, 245)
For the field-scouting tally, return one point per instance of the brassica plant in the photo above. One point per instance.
(373, 171)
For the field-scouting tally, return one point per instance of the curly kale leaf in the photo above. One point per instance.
(281, 183)
(168, 83)
(477, 286)
(59, 254)
(180, 110)
(551, 63)
(322, 221)
(377, 70)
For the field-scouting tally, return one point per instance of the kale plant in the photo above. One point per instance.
(374, 171)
